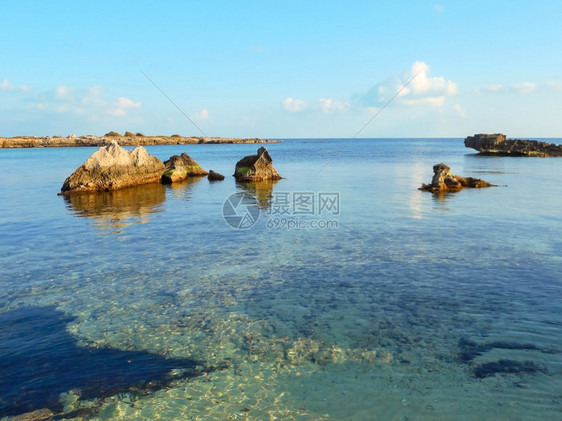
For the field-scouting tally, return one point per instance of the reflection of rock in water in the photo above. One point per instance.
(39, 360)
(261, 190)
(182, 189)
(119, 208)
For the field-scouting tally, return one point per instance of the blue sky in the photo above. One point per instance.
(281, 68)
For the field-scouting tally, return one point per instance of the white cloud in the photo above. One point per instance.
(5, 85)
(85, 101)
(460, 110)
(329, 105)
(431, 101)
(257, 48)
(554, 85)
(201, 115)
(525, 88)
(492, 89)
(64, 93)
(123, 104)
(439, 8)
(127, 103)
(294, 105)
(422, 89)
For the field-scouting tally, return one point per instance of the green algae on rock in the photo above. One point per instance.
(179, 167)
(256, 167)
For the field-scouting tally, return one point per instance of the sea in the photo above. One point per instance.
(340, 292)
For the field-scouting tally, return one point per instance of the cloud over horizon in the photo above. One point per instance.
(422, 89)
(6, 86)
(294, 105)
(524, 88)
(89, 100)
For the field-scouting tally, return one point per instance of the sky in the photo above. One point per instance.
(281, 69)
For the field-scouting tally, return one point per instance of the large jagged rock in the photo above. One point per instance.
(112, 167)
(256, 167)
(443, 181)
(497, 144)
(179, 167)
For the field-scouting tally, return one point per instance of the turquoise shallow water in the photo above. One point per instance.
(398, 305)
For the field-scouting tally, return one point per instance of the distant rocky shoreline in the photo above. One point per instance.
(129, 139)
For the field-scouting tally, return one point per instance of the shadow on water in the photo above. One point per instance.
(39, 360)
(113, 210)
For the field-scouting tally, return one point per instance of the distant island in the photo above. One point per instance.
(497, 144)
(127, 139)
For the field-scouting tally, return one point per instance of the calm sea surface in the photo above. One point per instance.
(353, 296)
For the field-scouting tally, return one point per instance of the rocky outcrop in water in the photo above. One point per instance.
(444, 181)
(215, 176)
(497, 144)
(112, 167)
(256, 167)
(179, 167)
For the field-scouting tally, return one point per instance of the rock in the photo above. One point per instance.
(111, 167)
(179, 167)
(215, 176)
(37, 415)
(496, 144)
(443, 181)
(256, 167)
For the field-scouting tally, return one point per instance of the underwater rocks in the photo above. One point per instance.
(470, 350)
(112, 167)
(51, 362)
(37, 415)
(256, 167)
(443, 181)
(179, 167)
(215, 176)
(496, 144)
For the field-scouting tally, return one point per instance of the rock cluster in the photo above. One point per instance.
(112, 167)
(497, 144)
(179, 167)
(443, 181)
(256, 167)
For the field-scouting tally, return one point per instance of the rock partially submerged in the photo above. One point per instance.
(113, 167)
(443, 181)
(179, 167)
(256, 167)
(497, 144)
(215, 176)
